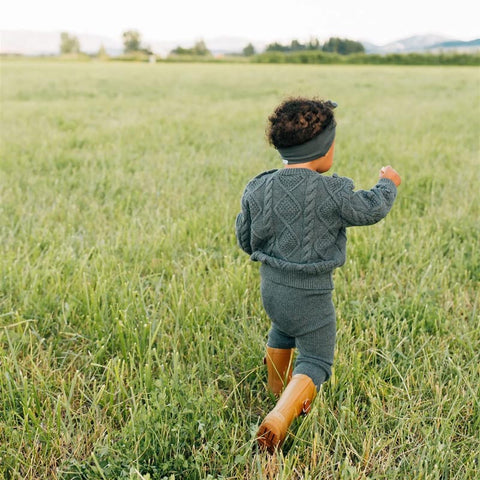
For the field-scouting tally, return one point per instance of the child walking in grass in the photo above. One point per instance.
(294, 221)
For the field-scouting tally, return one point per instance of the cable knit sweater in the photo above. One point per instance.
(294, 220)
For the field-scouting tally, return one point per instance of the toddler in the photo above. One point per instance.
(294, 221)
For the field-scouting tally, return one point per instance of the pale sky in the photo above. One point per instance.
(377, 21)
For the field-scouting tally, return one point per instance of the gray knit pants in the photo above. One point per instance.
(304, 319)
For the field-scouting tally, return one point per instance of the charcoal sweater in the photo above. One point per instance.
(294, 220)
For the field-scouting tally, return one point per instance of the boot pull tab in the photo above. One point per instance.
(307, 405)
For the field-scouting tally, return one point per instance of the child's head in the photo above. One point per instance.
(302, 129)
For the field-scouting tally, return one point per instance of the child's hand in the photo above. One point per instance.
(390, 173)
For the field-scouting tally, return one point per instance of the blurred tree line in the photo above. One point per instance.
(334, 50)
(69, 44)
(199, 50)
(132, 43)
(342, 46)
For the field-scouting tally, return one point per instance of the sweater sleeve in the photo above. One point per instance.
(242, 227)
(366, 207)
(243, 223)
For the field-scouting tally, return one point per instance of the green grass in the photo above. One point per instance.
(131, 327)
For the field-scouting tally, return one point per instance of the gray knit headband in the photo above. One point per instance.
(315, 148)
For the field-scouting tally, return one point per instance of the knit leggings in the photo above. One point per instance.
(304, 319)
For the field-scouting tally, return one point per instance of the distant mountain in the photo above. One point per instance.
(406, 45)
(457, 45)
(369, 47)
(423, 43)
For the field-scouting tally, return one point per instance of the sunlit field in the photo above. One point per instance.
(131, 327)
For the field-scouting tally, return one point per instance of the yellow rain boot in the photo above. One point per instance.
(279, 363)
(296, 399)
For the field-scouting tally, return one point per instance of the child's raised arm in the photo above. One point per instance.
(366, 207)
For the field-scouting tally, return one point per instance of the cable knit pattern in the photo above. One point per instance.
(294, 222)
(268, 210)
(309, 219)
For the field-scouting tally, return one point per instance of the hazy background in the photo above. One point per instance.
(260, 22)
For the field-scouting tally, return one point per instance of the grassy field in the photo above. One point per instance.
(131, 327)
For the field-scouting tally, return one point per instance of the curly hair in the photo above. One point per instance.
(298, 120)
